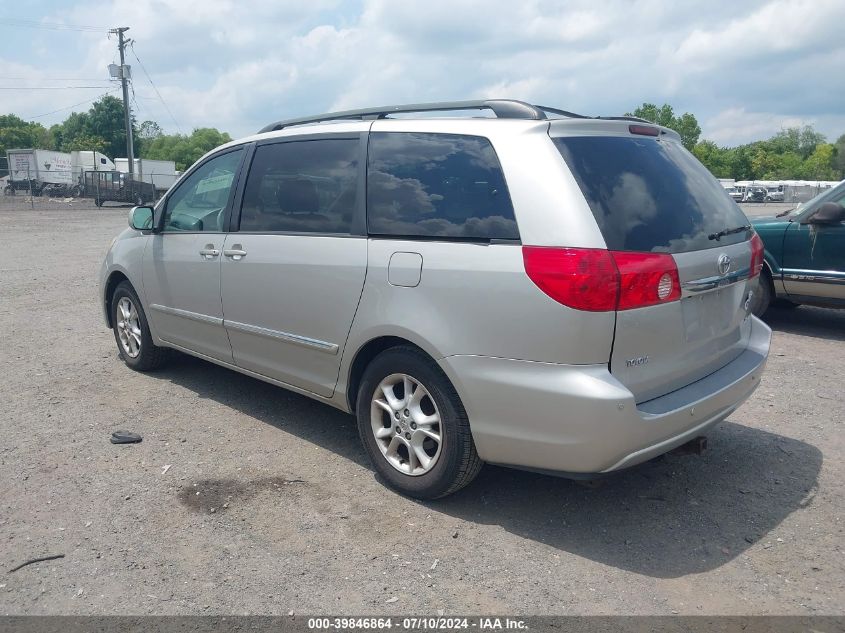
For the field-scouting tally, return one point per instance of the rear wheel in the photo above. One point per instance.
(132, 332)
(414, 427)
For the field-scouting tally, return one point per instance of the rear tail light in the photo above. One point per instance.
(756, 255)
(597, 280)
(646, 279)
(581, 278)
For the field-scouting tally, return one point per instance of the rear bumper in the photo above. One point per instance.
(579, 419)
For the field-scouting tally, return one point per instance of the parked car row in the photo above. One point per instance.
(742, 193)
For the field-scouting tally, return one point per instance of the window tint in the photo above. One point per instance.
(302, 186)
(441, 185)
(199, 203)
(650, 195)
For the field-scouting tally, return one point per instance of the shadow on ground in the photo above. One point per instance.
(670, 517)
(824, 323)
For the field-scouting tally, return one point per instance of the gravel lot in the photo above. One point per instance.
(268, 505)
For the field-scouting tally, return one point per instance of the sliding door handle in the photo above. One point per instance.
(235, 253)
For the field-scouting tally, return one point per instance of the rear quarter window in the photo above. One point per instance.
(437, 186)
(650, 195)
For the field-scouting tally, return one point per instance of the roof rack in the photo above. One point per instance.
(502, 108)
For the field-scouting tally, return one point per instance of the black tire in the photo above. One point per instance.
(149, 356)
(764, 294)
(458, 462)
(98, 202)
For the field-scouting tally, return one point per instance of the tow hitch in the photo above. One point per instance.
(695, 446)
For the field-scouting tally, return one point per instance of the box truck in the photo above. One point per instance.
(159, 173)
(39, 170)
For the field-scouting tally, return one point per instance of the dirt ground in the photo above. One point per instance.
(245, 498)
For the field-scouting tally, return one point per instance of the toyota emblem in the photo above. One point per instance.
(723, 264)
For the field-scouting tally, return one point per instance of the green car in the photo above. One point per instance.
(805, 254)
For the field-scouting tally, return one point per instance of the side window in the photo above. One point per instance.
(441, 185)
(200, 201)
(302, 186)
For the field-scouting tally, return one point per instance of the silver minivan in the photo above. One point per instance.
(529, 288)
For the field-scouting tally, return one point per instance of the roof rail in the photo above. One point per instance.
(571, 115)
(502, 108)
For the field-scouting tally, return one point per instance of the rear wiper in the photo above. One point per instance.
(724, 232)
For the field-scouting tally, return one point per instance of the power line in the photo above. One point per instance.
(30, 78)
(51, 87)
(38, 116)
(150, 79)
(51, 26)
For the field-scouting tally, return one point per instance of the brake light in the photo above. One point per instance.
(644, 130)
(597, 280)
(581, 278)
(646, 279)
(756, 256)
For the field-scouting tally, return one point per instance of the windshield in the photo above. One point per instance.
(821, 197)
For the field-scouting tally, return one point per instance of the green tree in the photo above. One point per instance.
(184, 149)
(106, 121)
(15, 133)
(801, 141)
(839, 158)
(716, 159)
(85, 142)
(819, 165)
(149, 130)
(686, 125)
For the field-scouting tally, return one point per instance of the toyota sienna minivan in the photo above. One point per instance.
(529, 288)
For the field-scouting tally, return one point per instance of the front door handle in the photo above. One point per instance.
(236, 252)
(209, 252)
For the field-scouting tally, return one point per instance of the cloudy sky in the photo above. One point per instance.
(745, 69)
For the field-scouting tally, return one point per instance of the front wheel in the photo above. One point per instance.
(132, 332)
(414, 426)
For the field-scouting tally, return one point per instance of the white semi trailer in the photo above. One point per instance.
(39, 169)
(159, 173)
(53, 173)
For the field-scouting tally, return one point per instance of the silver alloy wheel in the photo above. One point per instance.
(406, 424)
(128, 327)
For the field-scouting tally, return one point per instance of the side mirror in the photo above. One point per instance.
(828, 213)
(141, 218)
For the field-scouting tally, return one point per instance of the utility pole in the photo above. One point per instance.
(130, 149)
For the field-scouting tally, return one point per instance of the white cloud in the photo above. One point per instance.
(743, 69)
(735, 126)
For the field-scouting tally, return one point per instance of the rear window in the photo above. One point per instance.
(437, 185)
(650, 195)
